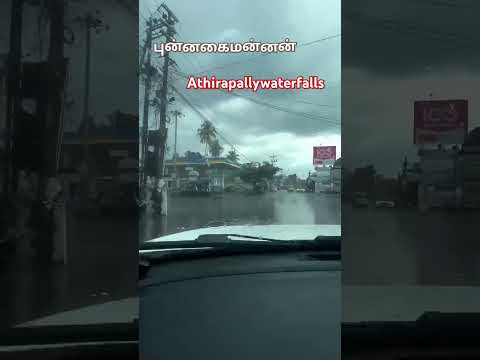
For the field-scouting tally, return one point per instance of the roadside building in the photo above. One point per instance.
(218, 173)
(469, 170)
(438, 185)
(450, 177)
(336, 176)
(113, 153)
(322, 178)
(440, 127)
(408, 181)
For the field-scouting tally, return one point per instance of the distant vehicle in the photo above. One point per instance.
(385, 203)
(300, 190)
(360, 199)
(291, 189)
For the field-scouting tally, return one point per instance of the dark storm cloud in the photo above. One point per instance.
(397, 52)
(404, 37)
(377, 113)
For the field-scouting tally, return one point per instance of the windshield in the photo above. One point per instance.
(241, 156)
(412, 247)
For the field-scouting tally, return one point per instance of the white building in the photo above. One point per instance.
(323, 179)
(336, 176)
(438, 183)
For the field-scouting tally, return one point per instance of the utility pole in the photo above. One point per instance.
(273, 159)
(176, 113)
(57, 69)
(49, 185)
(169, 20)
(146, 102)
(90, 22)
(155, 28)
(13, 90)
(167, 23)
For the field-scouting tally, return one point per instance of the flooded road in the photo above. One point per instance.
(404, 246)
(186, 213)
(102, 266)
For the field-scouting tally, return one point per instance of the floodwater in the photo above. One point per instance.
(281, 208)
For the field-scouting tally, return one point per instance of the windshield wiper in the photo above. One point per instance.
(214, 245)
(233, 241)
(209, 240)
(227, 238)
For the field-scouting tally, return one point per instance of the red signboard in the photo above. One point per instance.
(440, 121)
(324, 154)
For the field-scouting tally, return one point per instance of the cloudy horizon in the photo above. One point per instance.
(395, 53)
(257, 131)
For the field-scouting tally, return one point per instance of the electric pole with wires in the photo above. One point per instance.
(273, 159)
(176, 114)
(156, 28)
(147, 71)
(89, 22)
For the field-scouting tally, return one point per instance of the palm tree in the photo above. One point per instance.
(215, 148)
(207, 134)
(232, 156)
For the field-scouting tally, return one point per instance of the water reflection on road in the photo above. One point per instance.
(239, 209)
(404, 246)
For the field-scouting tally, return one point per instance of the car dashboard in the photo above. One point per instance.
(260, 306)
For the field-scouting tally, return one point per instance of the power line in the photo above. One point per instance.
(205, 118)
(143, 17)
(276, 107)
(256, 57)
(181, 75)
(190, 61)
(319, 40)
(406, 29)
(224, 114)
(293, 101)
(285, 110)
(314, 104)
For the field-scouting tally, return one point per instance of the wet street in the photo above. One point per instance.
(403, 246)
(102, 266)
(239, 209)
(380, 247)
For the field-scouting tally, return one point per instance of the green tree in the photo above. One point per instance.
(207, 134)
(232, 156)
(255, 174)
(216, 148)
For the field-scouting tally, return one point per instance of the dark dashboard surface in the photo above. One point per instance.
(278, 306)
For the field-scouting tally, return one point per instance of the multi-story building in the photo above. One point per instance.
(438, 182)
(469, 170)
(336, 176)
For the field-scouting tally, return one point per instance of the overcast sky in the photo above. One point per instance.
(257, 131)
(395, 52)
